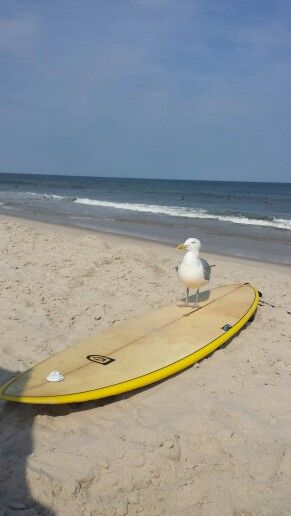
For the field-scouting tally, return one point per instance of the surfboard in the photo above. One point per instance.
(138, 351)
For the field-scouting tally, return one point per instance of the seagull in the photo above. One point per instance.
(193, 271)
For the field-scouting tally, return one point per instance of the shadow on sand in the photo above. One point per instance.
(16, 444)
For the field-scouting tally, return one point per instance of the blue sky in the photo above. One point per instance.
(146, 88)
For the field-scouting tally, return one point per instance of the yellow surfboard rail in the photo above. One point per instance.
(140, 381)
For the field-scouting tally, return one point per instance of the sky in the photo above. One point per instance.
(146, 88)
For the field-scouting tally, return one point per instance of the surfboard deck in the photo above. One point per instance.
(138, 351)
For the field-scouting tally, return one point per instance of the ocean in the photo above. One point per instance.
(244, 219)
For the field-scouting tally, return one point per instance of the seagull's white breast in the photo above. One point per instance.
(190, 271)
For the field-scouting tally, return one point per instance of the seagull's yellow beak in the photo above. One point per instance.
(181, 247)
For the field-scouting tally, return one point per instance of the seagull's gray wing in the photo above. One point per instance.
(206, 269)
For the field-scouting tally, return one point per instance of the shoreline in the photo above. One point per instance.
(236, 220)
(124, 237)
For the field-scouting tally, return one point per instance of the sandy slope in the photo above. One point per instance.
(213, 440)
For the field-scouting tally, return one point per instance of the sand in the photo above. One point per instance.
(213, 440)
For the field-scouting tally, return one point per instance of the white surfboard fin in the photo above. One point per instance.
(55, 376)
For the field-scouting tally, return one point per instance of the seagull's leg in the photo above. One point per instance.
(187, 304)
(197, 295)
(195, 304)
(192, 305)
(182, 304)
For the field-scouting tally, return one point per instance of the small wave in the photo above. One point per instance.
(178, 211)
(47, 196)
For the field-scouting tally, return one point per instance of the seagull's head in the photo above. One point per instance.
(191, 244)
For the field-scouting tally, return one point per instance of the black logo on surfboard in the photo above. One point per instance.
(99, 359)
(226, 327)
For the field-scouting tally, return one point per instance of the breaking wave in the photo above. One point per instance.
(178, 211)
(173, 211)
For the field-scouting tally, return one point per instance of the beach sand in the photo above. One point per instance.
(212, 440)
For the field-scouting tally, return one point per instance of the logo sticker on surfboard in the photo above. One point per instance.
(99, 359)
(226, 327)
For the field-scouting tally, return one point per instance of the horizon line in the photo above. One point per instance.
(140, 178)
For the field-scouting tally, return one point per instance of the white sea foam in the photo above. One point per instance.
(47, 196)
(174, 211)
(179, 211)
